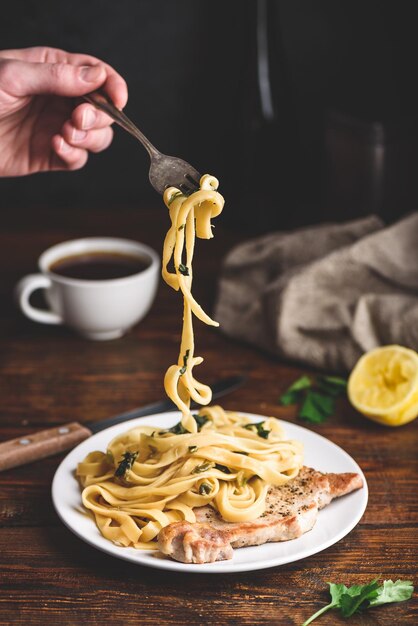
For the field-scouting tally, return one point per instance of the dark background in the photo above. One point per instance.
(340, 140)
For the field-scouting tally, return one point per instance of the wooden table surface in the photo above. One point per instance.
(50, 376)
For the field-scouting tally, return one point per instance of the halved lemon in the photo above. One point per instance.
(384, 385)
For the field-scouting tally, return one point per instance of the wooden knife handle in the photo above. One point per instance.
(41, 444)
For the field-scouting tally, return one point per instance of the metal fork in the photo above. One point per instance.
(165, 171)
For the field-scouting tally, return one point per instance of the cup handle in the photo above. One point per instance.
(23, 291)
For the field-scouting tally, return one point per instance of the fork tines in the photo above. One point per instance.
(190, 185)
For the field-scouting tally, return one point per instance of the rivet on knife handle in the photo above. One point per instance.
(45, 443)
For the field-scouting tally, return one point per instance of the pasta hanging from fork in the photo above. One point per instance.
(149, 478)
(190, 218)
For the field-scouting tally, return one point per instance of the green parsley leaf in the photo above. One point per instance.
(241, 479)
(332, 385)
(259, 429)
(336, 591)
(174, 196)
(109, 458)
(356, 595)
(222, 468)
(295, 391)
(202, 468)
(337, 381)
(393, 592)
(205, 489)
(290, 397)
(185, 359)
(183, 269)
(128, 459)
(352, 599)
(315, 395)
(301, 383)
(316, 407)
(177, 429)
(201, 419)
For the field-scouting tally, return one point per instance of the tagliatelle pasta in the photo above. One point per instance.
(229, 462)
(190, 218)
(151, 477)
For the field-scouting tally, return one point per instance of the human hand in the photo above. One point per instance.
(41, 128)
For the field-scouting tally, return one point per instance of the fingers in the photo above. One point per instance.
(67, 157)
(19, 78)
(87, 117)
(73, 146)
(94, 140)
(42, 70)
(114, 85)
(112, 82)
(116, 88)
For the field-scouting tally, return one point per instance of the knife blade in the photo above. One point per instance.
(52, 441)
(219, 389)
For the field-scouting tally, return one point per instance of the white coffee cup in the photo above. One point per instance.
(96, 309)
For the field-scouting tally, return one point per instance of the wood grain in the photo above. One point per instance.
(49, 377)
(34, 446)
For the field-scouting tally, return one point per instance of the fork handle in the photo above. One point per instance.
(102, 102)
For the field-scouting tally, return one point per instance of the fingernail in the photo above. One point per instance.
(91, 73)
(64, 147)
(89, 117)
(78, 135)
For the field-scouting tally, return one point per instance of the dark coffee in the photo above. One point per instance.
(100, 265)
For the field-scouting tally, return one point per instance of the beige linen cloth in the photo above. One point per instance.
(323, 295)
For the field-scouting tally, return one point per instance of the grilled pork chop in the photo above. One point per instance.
(291, 510)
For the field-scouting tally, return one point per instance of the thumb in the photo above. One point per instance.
(19, 78)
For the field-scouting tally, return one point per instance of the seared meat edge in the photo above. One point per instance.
(291, 511)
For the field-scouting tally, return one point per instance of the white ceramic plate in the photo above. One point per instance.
(334, 522)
